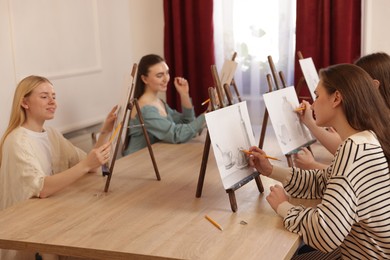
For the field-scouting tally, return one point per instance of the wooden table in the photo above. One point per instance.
(143, 218)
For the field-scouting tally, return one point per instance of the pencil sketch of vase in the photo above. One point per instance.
(244, 129)
(242, 159)
(227, 158)
(284, 134)
(289, 125)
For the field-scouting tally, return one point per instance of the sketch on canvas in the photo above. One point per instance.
(230, 132)
(290, 132)
(310, 73)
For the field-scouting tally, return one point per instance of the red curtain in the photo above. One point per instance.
(328, 31)
(189, 47)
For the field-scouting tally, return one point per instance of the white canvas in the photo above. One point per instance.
(310, 73)
(290, 132)
(227, 72)
(231, 131)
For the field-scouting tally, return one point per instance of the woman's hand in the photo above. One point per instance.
(306, 115)
(107, 127)
(181, 85)
(98, 156)
(108, 124)
(258, 160)
(304, 159)
(276, 196)
(183, 89)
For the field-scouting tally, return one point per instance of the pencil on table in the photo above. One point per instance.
(213, 222)
(266, 156)
(115, 132)
(205, 102)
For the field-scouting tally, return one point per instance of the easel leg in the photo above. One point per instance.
(141, 119)
(107, 182)
(289, 160)
(259, 184)
(202, 172)
(153, 161)
(232, 198)
(263, 129)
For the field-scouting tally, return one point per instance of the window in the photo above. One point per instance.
(255, 29)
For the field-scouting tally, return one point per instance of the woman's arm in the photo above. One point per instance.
(304, 160)
(328, 138)
(107, 127)
(182, 88)
(58, 181)
(165, 129)
(298, 183)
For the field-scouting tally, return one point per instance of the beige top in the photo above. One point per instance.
(22, 173)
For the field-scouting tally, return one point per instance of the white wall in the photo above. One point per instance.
(96, 43)
(86, 48)
(375, 25)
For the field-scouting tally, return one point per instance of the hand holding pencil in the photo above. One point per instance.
(305, 113)
(259, 160)
(302, 107)
(247, 152)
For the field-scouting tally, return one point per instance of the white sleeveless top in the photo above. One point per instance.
(43, 146)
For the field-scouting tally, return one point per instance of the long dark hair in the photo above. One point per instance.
(378, 66)
(143, 69)
(363, 105)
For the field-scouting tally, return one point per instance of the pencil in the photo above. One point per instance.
(300, 109)
(246, 151)
(115, 132)
(205, 102)
(267, 156)
(213, 222)
(271, 158)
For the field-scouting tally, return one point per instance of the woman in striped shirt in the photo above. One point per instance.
(378, 66)
(354, 214)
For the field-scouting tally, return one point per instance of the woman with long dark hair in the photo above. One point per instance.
(354, 212)
(161, 122)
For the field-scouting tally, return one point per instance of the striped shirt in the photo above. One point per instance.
(354, 213)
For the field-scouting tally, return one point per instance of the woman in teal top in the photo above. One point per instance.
(161, 122)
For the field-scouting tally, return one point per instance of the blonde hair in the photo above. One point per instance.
(18, 113)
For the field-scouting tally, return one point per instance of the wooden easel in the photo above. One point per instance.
(266, 116)
(132, 102)
(233, 83)
(301, 82)
(206, 151)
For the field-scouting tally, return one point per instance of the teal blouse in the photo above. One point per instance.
(174, 128)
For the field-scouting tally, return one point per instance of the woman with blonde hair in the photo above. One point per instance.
(37, 161)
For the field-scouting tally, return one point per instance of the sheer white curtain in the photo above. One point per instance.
(255, 29)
